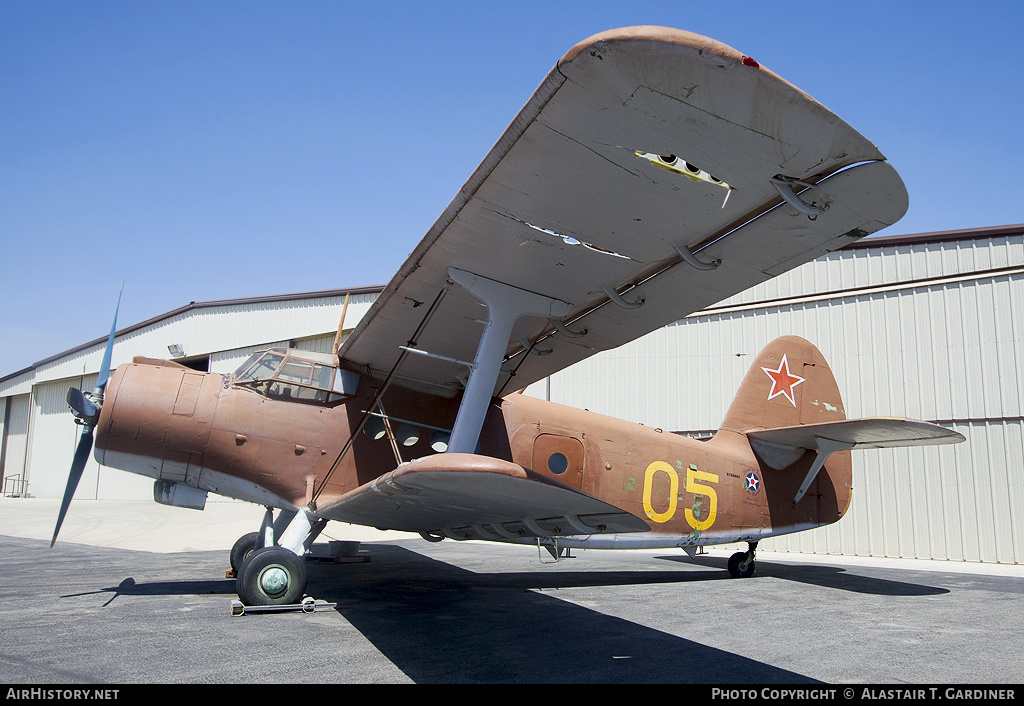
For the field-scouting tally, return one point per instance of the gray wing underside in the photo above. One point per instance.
(564, 207)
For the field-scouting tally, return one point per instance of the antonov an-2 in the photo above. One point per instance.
(653, 173)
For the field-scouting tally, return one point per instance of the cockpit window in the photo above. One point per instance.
(246, 365)
(264, 368)
(291, 375)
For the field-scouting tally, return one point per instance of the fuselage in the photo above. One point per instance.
(288, 444)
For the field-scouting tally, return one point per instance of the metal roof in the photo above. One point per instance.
(192, 306)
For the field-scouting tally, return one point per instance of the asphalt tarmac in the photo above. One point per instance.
(129, 595)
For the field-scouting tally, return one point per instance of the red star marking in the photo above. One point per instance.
(783, 381)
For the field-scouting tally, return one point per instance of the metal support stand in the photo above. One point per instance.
(556, 552)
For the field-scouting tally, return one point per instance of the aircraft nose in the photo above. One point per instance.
(156, 418)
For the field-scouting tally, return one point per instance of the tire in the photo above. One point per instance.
(734, 566)
(243, 548)
(271, 576)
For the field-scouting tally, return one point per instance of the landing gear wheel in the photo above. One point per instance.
(741, 565)
(243, 548)
(272, 576)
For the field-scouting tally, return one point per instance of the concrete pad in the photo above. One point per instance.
(150, 527)
(473, 612)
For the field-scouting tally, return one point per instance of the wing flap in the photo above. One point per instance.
(466, 496)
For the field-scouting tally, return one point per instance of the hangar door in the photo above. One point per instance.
(14, 444)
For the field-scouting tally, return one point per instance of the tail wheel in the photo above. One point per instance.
(272, 576)
(741, 565)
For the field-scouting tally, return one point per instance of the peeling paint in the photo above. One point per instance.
(571, 240)
(674, 164)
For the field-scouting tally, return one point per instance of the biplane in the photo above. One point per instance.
(654, 172)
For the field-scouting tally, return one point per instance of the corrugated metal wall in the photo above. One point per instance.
(931, 331)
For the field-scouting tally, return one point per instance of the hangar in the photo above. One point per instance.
(928, 326)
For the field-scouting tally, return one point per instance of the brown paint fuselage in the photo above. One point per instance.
(172, 423)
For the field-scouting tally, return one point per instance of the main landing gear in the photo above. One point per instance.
(272, 576)
(269, 565)
(741, 564)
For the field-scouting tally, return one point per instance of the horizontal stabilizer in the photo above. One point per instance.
(873, 433)
(782, 446)
(465, 496)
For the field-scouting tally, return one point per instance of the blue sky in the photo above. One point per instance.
(210, 150)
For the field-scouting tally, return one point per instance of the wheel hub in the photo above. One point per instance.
(274, 581)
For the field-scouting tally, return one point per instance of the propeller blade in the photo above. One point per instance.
(87, 409)
(83, 408)
(77, 468)
(104, 374)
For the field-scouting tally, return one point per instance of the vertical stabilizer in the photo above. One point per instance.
(788, 384)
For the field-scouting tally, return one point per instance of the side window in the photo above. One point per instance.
(300, 371)
(323, 376)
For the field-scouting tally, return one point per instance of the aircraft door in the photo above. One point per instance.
(559, 457)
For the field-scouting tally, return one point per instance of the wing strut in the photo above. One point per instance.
(379, 393)
(505, 305)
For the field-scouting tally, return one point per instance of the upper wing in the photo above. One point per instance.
(642, 146)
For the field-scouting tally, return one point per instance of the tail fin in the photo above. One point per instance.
(789, 384)
(788, 387)
(789, 410)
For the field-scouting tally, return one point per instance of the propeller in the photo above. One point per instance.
(86, 408)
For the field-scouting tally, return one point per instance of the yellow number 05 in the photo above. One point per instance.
(692, 486)
(673, 491)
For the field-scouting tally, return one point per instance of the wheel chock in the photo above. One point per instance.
(308, 605)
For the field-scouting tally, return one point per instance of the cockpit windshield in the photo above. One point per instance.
(302, 376)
